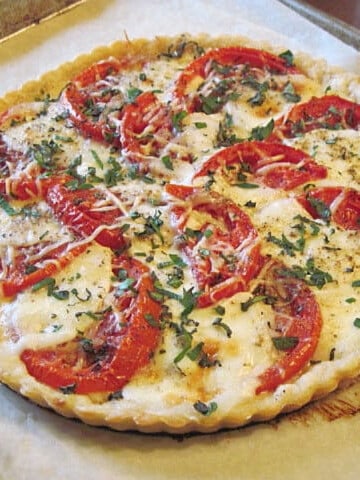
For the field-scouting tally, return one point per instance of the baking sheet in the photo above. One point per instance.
(16, 17)
(320, 441)
(342, 30)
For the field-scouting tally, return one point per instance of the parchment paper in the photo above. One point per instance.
(36, 444)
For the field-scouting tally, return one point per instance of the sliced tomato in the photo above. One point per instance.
(331, 112)
(298, 324)
(340, 204)
(112, 350)
(93, 97)
(26, 187)
(30, 266)
(87, 212)
(227, 64)
(220, 242)
(273, 164)
(147, 129)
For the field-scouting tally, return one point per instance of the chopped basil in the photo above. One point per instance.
(177, 120)
(8, 209)
(133, 93)
(320, 207)
(97, 159)
(186, 339)
(178, 261)
(246, 185)
(268, 299)
(151, 320)
(194, 353)
(166, 160)
(304, 220)
(56, 328)
(45, 154)
(48, 283)
(118, 395)
(285, 343)
(175, 277)
(260, 95)
(290, 94)
(225, 136)
(60, 294)
(219, 323)
(350, 300)
(356, 283)
(177, 50)
(188, 301)
(87, 345)
(152, 226)
(205, 409)
(174, 260)
(287, 246)
(68, 389)
(288, 57)
(262, 133)
(357, 322)
(200, 125)
(311, 274)
(220, 310)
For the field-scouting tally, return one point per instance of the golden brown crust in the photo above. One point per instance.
(54, 81)
(135, 412)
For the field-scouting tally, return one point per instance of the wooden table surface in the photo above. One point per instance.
(346, 10)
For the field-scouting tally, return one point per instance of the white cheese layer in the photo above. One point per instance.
(229, 347)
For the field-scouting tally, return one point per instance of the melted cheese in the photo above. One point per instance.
(163, 395)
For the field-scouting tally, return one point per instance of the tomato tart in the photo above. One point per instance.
(179, 234)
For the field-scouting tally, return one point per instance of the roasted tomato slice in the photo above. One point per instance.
(298, 324)
(331, 112)
(223, 71)
(275, 165)
(148, 126)
(30, 187)
(33, 264)
(87, 212)
(340, 204)
(113, 349)
(219, 240)
(94, 101)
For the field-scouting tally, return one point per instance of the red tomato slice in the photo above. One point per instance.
(331, 112)
(93, 97)
(297, 319)
(25, 187)
(86, 211)
(275, 165)
(113, 350)
(223, 249)
(227, 63)
(340, 204)
(147, 128)
(24, 272)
